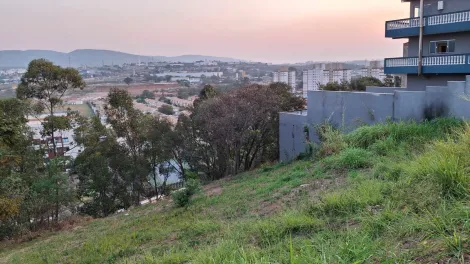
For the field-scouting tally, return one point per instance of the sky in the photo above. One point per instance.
(278, 31)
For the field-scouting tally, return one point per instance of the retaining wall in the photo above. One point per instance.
(349, 110)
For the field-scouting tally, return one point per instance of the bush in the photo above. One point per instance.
(182, 197)
(165, 100)
(332, 141)
(350, 158)
(166, 109)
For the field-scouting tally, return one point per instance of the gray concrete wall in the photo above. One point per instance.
(416, 83)
(409, 106)
(292, 138)
(378, 89)
(449, 6)
(348, 110)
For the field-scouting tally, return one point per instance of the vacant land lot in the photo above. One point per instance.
(83, 109)
(392, 193)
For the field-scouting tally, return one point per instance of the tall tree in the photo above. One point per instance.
(47, 84)
(157, 148)
(237, 130)
(102, 169)
(128, 124)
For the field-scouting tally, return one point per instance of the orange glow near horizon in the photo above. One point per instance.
(272, 31)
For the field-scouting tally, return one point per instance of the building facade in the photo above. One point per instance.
(445, 42)
(322, 74)
(285, 76)
(65, 143)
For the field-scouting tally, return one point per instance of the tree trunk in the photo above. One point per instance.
(57, 203)
(52, 131)
(155, 182)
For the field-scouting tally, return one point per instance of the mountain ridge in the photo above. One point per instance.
(92, 57)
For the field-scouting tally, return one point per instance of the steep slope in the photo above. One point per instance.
(392, 193)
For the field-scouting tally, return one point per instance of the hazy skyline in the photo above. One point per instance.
(260, 30)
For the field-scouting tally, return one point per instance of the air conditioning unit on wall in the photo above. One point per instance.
(440, 5)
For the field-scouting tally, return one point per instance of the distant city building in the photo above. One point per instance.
(284, 76)
(322, 74)
(190, 74)
(240, 75)
(64, 139)
(205, 63)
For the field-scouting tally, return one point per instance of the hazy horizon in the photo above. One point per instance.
(257, 30)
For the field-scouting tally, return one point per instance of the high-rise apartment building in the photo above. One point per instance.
(322, 74)
(284, 76)
(312, 80)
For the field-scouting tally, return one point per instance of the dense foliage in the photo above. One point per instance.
(360, 84)
(225, 133)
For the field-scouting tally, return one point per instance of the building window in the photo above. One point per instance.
(66, 139)
(442, 46)
(416, 11)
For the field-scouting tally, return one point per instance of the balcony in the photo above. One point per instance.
(444, 64)
(437, 24)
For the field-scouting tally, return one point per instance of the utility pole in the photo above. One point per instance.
(421, 27)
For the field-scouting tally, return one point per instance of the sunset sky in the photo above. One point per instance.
(261, 30)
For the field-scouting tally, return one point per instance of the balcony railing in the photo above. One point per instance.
(403, 23)
(443, 23)
(449, 18)
(459, 63)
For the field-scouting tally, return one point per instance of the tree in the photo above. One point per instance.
(13, 135)
(168, 78)
(128, 80)
(360, 84)
(147, 94)
(128, 124)
(157, 149)
(47, 84)
(102, 170)
(335, 86)
(357, 84)
(237, 130)
(206, 93)
(397, 81)
(166, 109)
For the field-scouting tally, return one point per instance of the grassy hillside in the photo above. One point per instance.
(394, 193)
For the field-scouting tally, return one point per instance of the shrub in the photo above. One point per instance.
(166, 109)
(182, 197)
(332, 141)
(350, 158)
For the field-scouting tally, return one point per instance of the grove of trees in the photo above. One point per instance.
(132, 158)
(360, 84)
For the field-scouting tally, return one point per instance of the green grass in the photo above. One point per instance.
(392, 193)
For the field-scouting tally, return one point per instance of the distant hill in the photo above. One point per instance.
(90, 57)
